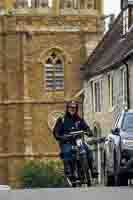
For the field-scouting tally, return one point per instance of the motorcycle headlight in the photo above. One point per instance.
(79, 142)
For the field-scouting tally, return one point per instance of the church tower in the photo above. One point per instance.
(45, 45)
(7, 4)
(57, 4)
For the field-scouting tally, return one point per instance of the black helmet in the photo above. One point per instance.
(72, 104)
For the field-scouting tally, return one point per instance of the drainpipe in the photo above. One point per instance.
(82, 102)
(128, 91)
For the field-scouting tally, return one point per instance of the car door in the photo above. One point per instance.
(110, 147)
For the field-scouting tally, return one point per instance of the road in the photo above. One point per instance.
(93, 193)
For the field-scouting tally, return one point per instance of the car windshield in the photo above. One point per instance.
(128, 122)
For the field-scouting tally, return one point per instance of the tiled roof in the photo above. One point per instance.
(111, 50)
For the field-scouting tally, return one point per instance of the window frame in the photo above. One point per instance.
(54, 75)
(111, 90)
(124, 4)
(125, 20)
(97, 107)
(124, 85)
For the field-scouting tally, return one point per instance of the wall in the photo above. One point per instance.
(107, 116)
(26, 106)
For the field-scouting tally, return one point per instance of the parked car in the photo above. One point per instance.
(118, 151)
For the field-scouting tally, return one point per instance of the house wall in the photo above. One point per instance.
(102, 119)
(101, 122)
(108, 114)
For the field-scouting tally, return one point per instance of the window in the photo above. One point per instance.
(111, 90)
(54, 72)
(97, 95)
(124, 4)
(124, 85)
(125, 21)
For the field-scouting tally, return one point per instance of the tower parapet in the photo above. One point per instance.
(54, 7)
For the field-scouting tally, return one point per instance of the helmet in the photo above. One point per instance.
(73, 104)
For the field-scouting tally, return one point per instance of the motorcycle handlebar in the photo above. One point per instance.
(75, 132)
(73, 135)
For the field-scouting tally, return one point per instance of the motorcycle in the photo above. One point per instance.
(78, 171)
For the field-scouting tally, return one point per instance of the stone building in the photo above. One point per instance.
(108, 76)
(42, 48)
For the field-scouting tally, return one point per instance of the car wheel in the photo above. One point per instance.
(108, 180)
(122, 180)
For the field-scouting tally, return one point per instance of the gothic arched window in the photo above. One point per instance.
(54, 72)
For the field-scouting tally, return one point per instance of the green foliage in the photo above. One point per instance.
(39, 174)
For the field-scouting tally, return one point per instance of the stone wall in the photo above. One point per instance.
(27, 108)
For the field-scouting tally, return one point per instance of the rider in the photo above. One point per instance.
(72, 120)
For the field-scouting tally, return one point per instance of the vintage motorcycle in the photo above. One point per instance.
(78, 170)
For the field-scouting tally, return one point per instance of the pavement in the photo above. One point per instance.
(93, 193)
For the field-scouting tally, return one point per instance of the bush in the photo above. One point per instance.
(39, 174)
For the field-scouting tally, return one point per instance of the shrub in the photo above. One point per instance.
(42, 174)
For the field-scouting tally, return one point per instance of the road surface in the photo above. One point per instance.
(93, 193)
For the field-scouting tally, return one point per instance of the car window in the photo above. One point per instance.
(128, 122)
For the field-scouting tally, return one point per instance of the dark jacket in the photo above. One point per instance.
(67, 123)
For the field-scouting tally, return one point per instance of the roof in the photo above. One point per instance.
(111, 51)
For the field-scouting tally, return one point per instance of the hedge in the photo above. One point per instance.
(38, 174)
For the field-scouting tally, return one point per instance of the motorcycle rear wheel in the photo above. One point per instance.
(86, 171)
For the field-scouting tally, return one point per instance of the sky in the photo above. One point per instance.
(111, 6)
